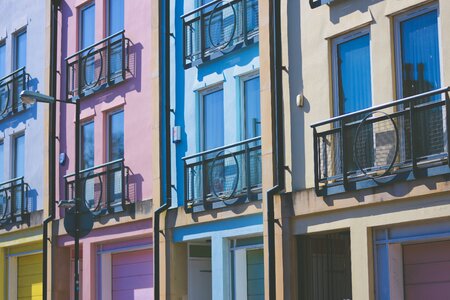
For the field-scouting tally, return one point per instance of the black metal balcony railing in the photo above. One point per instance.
(400, 140)
(104, 187)
(10, 88)
(223, 176)
(13, 202)
(103, 64)
(217, 28)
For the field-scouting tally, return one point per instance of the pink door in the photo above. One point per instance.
(427, 271)
(132, 275)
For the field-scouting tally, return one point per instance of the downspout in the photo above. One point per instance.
(51, 142)
(164, 86)
(277, 132)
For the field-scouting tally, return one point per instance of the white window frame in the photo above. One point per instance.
(335, 64)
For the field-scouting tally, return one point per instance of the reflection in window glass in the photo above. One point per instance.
(2, 168)
(116, 136)
(87, 26)
(87, 145)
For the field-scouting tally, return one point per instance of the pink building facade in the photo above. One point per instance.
(109, 62)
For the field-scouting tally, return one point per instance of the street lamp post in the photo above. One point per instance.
(30, 97)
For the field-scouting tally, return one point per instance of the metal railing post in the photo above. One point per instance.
(343, 154)
(447, 119)
(316, 160)
(247, 171)
(412, 139)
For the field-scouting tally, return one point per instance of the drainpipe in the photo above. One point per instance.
(164, 86)
(51, 142)
(277, 132)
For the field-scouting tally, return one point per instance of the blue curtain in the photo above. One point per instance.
(420, 54)
(213, 116)
(355, 89)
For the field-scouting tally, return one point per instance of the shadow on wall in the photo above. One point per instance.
(343, 8)
(135, 187)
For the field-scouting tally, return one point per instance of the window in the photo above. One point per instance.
(87, 145)
(212, 128)
(116, 136)
(87, 26)
(2, 164)
(352, 72)
(2, 59)
(87, 38)
(19, 156)
(247, 257)
(115, 16)
(324, 266)
(20, 48)
(418, 71)
(252, 117)
(115, 24)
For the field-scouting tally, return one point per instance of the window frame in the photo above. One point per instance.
(397, 20)
(3, 44)
(16, 36)
(335, 42)
(108, 17)
(201, 110)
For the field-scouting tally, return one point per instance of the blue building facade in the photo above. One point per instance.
(215, 225)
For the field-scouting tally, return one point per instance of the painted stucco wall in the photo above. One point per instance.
(138, 95)
(34, 16)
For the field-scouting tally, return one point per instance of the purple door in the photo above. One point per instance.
(132, 275)
(427, 271)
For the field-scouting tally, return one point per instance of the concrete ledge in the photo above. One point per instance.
(36, 219)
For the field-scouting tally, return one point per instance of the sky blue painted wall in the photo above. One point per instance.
(227, 70)
(16, 15)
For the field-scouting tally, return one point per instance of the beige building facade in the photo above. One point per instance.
(365, 206)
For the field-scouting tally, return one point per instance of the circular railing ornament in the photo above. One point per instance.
(224, 175)
(93, 194)
(90, 59)
(376, 145)
(222, 25)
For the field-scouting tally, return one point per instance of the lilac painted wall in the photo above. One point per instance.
(136, 95)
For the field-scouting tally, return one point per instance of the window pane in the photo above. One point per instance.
(255, 274)
(2, 60)
(252, 108)
(21, 50)
(354, 75)
(420, 54)
(213, 116)
(116, 136)
(87, 145)
(19, 156)
(2, 166)
(116, 15)
(87, 24)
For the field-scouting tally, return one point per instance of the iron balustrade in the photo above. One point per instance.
(96, 67)
(105, 188)
(14, 202)
(400, 140)
(219, 27)
(223, 176)
(10, 88)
